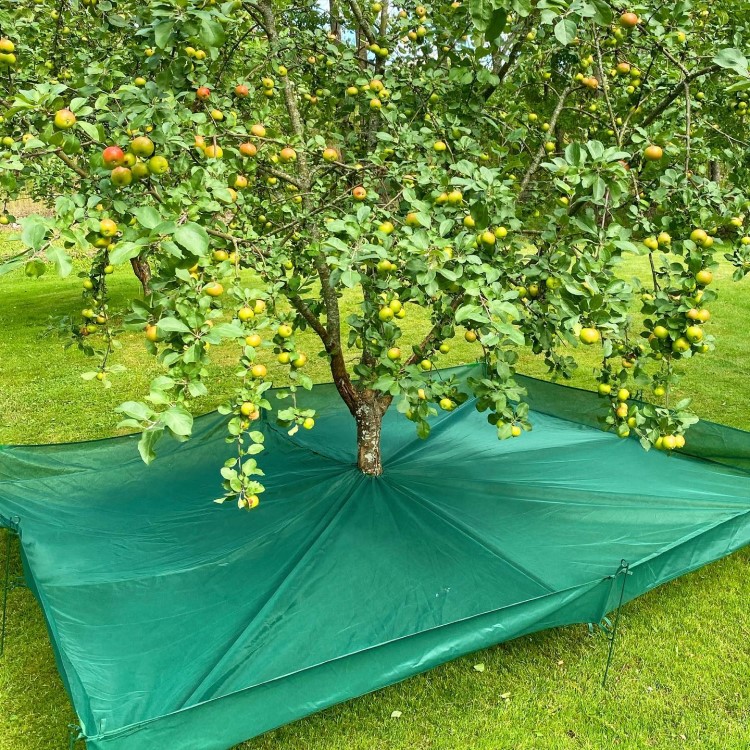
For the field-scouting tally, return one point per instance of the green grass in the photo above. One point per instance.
(681, 671)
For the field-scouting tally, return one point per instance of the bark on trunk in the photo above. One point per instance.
(369, 418)
(142, 270)
(715, 171)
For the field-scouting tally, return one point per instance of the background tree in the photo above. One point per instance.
(491, 162)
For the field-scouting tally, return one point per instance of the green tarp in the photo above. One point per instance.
(181, 624)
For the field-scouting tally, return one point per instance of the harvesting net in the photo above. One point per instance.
(180, 623)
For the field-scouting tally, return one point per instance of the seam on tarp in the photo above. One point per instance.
(582, 589)
(319, 538)
(688, 537)
(463, 529)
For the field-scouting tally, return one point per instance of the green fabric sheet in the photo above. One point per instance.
(181, 624)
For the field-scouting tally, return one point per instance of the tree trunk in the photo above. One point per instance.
(142, 270)
(715, 170)
(369, 416)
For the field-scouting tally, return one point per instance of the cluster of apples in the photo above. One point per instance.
(7, 54)
(137, 163)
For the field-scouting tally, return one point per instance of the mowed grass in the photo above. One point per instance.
(681, 671)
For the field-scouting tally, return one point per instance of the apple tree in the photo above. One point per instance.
(490, 162)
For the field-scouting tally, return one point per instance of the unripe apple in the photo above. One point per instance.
(107, 228)
(589, 336)
(64, 119)
(330, 154)
(214, 152)
(121, 176)
(213, 289)
(158, 165)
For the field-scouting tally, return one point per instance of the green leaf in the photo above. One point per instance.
(91, 130)
(135, 410)
(496, 25)
(193, 237)
(565, 31)
(482, 12)
(170, 325)
(147, 443)
(163, 34)
(179, 420)
(212, 33)
(34, 232)
(61, 259)
(124, 251)
(732, 59)
(147, 216)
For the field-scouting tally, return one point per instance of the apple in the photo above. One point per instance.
(681, 345)
(653, 153)
(352, 90)
(385, 314)
(699, 236)
(253, 340)
(439, 146)
(259, 306)
(589, 336)
(412, 220)
(669, 442)
(394, 353)
(308, 423)
(142, 146)
(661, 332)
(605, 389)
(213, 289)
(140, 81)
(425, 364)
(704, 277)
(386, 227)
(203, 93)
(248, 149)
(64, 119)
(444, 348)
(214, 152)
(515, 430)
(447, 404)
(258, 371)
(287, 154)
(301, 361)
(652, 243)
(664, 239)
(113, 156)
(107, 228)
(330, 154)
(151, 333)
(245, 313)
(469, 222)
(247, 408)
(217, 115)
(375, 103)
(220, 255)
(241, 90)
(7, 47)
(629, 20)
(158, 165)
(694, 334)
(121, 176)
(623, 394)
(258, 131)
(284, 358)
(359, 193)
(284, 331)
(470, 336)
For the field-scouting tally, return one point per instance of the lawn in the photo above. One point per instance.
(681, 671)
